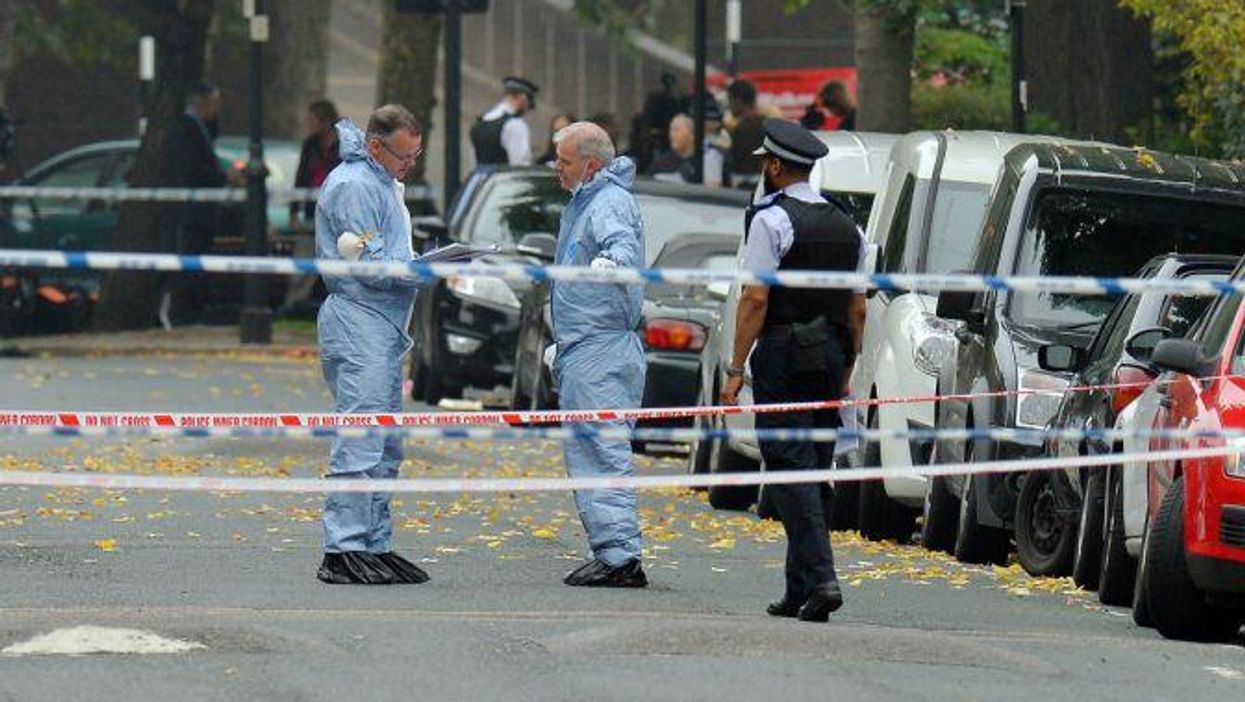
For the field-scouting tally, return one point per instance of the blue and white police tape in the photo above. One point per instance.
(276, 196)
(1031, 437)
(113, 481)
(1077, 285)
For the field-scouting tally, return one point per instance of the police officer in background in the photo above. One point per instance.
(806, 341)
(501, 136)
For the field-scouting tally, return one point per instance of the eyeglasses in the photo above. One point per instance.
(407, 158)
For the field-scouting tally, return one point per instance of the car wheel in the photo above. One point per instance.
(845, 503)
(419, 371)
(698, 452)
(880, 517)
(438, 383)
(734, 497)
(1045, 539)
(1117, 570)
(1141, 596)
(941, 513)
(1179, 609)
(974, 542)
(1087, 556)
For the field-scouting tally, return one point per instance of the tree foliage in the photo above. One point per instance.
(79, 32)
(1211, 33)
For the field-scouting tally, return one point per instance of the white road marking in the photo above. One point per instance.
(83, 640)
(1225, 673)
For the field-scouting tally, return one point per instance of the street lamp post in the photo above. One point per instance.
(1020, 86)
(734, 34)
(255, 321)
(453, 98)
(698, 91)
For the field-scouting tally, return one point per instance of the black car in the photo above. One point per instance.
(466, 329)
(676, 320)
(1057, 532)
(1089, 210)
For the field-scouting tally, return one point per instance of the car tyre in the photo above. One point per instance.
(941, 513)
(880, 517)
(1117, 570)
(975, 542)
(698, 452)
(845, 503)
(1087, 556)
(733, 497)
(1178, 607)
(1141, 596)
(1045, 540)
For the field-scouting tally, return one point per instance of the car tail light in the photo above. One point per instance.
(52, 295)
(1123, 397)
(674, 335)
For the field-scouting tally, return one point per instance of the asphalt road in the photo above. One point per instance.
(235, 574)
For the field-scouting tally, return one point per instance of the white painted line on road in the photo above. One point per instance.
(84, 640)
(1225, 673)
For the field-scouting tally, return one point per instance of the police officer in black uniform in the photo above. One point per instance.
(806, 340)
(501, 136)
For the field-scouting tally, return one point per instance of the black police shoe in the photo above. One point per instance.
(786, 607)
(597, 573)
(824, 599)
(355, 568)
(403, 570)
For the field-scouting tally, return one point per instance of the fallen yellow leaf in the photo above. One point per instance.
(106, 545)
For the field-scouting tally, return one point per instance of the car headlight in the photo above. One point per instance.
(1234, 463)
(933, 342)
(490, 292)
(1039, 401)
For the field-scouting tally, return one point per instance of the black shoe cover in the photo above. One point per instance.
(597, 573)
(826, 598)
(403, 570)
(355, 568)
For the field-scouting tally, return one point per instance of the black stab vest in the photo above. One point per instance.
(825, 239)
(486, 138)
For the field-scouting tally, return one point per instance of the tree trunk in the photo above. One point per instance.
(8, 21)
(408, 69)
(295, 64)
(884, 46)
(128, 299)
(1090, 67)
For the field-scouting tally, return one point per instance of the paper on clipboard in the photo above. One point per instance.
(456, 253)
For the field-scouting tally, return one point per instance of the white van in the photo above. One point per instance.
(851, 172)
(926, 219)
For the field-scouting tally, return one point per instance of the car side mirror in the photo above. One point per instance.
(429, 227)
(539, 244)
(962, 306)
(1140, 345)
(719, 290)
(1181, 356)
(1060, 358)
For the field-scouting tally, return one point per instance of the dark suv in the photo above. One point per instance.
(1057, 210)
(466, 330)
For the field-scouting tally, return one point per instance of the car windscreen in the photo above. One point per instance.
(959, 212)
(1095, 233)
(667, 216)
(513, 207)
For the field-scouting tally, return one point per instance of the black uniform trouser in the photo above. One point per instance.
(805, 516)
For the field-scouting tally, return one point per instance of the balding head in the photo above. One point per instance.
(583, 149)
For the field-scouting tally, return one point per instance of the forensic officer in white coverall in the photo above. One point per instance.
(361, 215)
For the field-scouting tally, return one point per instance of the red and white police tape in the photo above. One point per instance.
(272, 420)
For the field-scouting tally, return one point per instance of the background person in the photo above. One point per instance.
(556, 125)
(501, 136)
(598, 358)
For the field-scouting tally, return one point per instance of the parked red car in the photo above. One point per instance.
(1191, 580)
